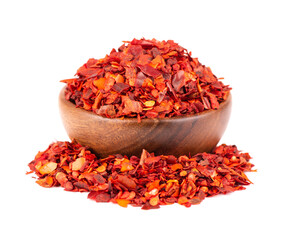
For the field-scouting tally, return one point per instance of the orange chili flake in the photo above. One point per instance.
(123, 202)
(159, 75)
(183, 173)
(148, 181)
(48, 168)
(176, 166)
(101, 168)
(126, 166)
(45, 182)
(99, 83)
(183, 200)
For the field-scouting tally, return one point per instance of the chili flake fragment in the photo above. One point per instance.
(146, 79)
(149, 181)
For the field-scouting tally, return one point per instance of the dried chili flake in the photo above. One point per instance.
(123, 202)
(134, 81)
(149, 181)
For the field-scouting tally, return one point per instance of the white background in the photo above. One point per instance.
(43, 42)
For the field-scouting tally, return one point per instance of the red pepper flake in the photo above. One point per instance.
(120, 87)
(178, 80)
(149, 181)
(141, 71)
(127, 182)
(150, 71)
(139, 79)
(99, 197)
(131, 106)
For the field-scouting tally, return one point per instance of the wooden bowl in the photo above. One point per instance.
(177, 136)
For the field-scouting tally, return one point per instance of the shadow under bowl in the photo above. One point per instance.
(168, 136)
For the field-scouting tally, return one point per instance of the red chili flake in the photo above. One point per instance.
(131, 106)
(139, 79)
(99, 197)
(141, 71)
(178, 80)
(151, 160)
(120, 87)
(150, 71)
(149, 181)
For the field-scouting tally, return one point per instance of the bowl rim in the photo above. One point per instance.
(205, 113)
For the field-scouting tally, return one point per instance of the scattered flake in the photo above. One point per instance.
(148, 181)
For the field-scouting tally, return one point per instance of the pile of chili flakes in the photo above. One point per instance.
(148, 181)
(146, 79)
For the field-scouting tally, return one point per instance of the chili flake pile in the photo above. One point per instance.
(146, 79)
(148, 181)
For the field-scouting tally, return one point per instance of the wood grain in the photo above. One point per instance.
(177, 136)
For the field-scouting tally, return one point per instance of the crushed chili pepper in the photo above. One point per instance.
(148, 181)
(146, 79)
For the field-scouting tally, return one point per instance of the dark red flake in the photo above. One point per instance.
(120, 87)
(178, 80)
(150, 71)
